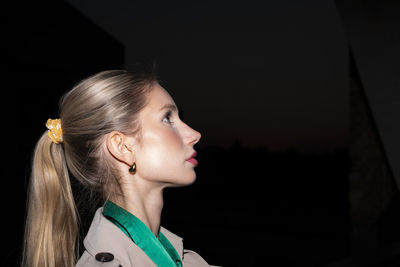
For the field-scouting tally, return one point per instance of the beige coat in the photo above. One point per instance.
(119, 251)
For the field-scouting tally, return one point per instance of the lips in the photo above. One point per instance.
(192, 159)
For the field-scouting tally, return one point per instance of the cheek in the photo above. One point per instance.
(161, 154)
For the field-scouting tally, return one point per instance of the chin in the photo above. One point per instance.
(192, 180)
(185, 181)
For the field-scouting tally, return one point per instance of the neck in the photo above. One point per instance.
(145, 203)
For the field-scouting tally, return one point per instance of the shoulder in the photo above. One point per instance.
(192, 258)
(189, 257)
(106, 245)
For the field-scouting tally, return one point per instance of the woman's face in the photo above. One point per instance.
(166, 142)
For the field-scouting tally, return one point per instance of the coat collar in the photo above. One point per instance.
(104, 236)
(160, 250)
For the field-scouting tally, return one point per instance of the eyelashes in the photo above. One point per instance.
(168, 117)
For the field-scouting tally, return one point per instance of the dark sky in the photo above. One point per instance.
(272, 73)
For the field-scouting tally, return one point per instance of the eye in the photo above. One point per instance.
(167, 117)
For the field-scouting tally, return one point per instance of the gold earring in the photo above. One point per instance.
(132, 169)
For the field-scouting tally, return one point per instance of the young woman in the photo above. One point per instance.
(119, 134)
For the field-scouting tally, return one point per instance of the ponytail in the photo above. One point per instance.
(51, 228)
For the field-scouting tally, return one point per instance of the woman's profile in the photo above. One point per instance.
(119, 134)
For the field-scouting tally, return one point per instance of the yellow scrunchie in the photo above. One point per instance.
(55, 130)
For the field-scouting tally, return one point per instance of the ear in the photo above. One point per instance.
(119, 147)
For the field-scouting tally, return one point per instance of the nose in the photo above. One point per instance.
(197, 137)
(193, 136)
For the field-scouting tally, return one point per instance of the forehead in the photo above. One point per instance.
(157, 98)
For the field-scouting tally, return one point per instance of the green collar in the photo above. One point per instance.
(160, 250)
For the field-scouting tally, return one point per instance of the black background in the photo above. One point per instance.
(281, 200)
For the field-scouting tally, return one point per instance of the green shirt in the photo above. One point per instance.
(160, 250)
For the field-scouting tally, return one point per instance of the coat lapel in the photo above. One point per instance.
(104, 236)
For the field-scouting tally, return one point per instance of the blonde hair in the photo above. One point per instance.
(105, 102)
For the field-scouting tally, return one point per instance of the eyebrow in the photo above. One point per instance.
(170, 106)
